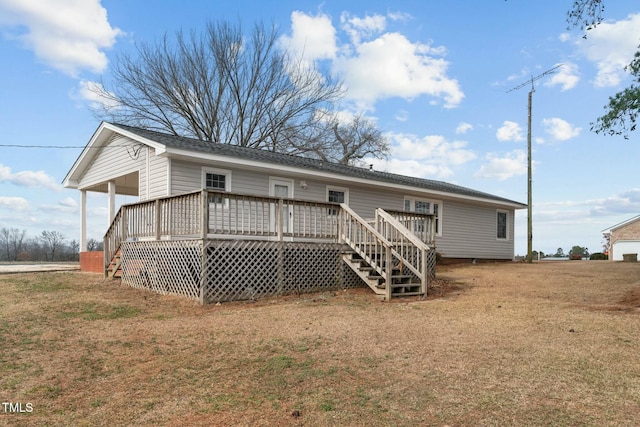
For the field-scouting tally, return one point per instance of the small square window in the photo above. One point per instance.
(218, 182)
(335, 196)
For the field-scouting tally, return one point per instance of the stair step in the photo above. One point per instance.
(406, 294)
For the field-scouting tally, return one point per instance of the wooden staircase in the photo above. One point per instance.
(386, 255)
(401, 284)
(114, 269)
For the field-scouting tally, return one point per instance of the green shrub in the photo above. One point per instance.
(598, 256)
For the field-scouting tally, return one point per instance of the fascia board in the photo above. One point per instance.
(86, 156)
(257, 165)
(623, 223)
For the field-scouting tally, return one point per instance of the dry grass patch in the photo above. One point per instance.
(495, 344)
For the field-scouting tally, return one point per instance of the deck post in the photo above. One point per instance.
(204, 214)
(388, 271)
(124, 225)
(279, 219)
(424, 271)
(340, 228)
(158, 218)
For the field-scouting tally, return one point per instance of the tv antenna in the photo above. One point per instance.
(529, 174)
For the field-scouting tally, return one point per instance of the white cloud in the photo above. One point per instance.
(611, 46)
(67, 205)
(624, 203)
(34, 179)
(560, 130)
(374, 64)
(91, 91)
(463, 128)
(18, 204)
(357, 27)
(567, 77)
(510, 131)
(312, 37)
(504, 167)
(429, 156)
(69, 35)
(402, 116)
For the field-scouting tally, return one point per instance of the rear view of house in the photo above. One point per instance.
(219, 222)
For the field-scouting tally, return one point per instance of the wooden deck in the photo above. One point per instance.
(273, 245)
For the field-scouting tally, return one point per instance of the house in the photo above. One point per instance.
(205, 198)
(624, 238)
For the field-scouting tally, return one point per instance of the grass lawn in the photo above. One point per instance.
(547, 344)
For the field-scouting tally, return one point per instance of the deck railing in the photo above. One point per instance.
(207, 213)
(372, 246)
(410, 249)
(422, 225)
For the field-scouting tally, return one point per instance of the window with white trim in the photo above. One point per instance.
(218, 180)
(426, 206)
(337, 195)
(502, 225)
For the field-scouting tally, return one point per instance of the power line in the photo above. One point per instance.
(62, 146)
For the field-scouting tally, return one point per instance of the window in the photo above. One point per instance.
(425, 206)
(501, 224)
(336, 195)
(217, 180)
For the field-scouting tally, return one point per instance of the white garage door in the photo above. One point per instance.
(625, 247)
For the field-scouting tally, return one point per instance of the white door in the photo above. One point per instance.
(282, 188)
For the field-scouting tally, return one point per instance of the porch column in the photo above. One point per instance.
(112, 201)
(83, 220)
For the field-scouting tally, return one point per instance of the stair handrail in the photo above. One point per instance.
(404, 243)
(113, 237)
(367, 246)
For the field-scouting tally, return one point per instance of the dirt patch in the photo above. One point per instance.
(632, 298)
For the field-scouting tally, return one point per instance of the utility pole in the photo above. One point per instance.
(529, 168)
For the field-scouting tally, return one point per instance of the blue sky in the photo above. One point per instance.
(434, 76)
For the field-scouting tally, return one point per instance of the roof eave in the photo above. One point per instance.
(185, 153)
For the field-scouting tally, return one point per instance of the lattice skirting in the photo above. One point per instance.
(228, 270)
(167, 267)
(241, 270)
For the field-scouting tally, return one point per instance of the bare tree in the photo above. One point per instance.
(11, 242)
(337, 140)
(94, 245)
(217, 86)
(52, 241)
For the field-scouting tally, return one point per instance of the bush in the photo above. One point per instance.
(598, 256)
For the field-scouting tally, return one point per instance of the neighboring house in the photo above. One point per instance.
(624, 238)
(458, 222)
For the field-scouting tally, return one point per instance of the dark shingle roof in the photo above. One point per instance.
(198, 146)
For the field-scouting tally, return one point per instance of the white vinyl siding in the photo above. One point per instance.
(468, 230)
(121, 156)
(158, 176)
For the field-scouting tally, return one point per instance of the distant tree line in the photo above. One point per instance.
(49, 246)
(576, 252)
